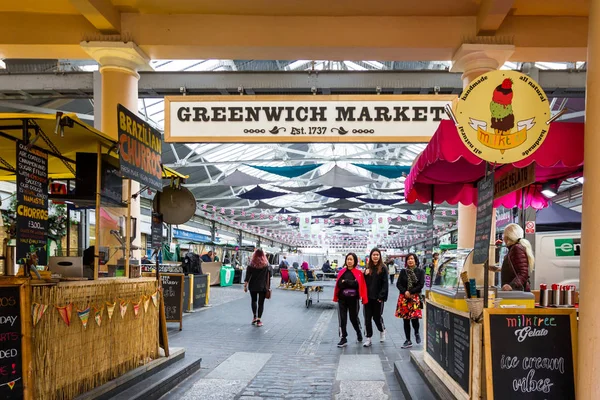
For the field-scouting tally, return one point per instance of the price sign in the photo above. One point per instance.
(32, 204)
(172, 285)
(483, 227)
(156, 230)
(530, 354)
(449, 342)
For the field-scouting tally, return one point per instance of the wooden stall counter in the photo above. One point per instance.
(454, 339)
(81, 334)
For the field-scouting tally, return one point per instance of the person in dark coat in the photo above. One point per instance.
(377, 279)
(518, 263)
(258, 279)
(410, 283)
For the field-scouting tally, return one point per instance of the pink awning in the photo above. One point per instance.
(449, 172)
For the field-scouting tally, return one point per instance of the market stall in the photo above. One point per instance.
(71, 330)
(467, 161)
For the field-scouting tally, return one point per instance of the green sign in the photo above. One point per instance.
(567, 247)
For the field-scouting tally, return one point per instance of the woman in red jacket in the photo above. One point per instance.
(518, 263)
(349, 288)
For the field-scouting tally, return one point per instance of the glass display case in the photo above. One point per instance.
(447, 274)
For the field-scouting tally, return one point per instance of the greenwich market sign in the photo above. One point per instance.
(303, 118)
(503, 116)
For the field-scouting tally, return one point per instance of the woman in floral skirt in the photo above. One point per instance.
(410, 283)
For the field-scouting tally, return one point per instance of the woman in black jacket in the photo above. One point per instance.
(410, 283)
(258, 281)
(377, 279)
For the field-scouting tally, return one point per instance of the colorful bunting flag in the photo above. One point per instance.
(136, 308)
(155, 299)
(84, 315)
(37, 311)
(146, 303)
(123, 308)
(65, 313)
(98, 315)
(110, 308)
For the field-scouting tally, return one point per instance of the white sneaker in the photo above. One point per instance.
(382, 336)
(367, 342)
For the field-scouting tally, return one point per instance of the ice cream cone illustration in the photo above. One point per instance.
(503, 119)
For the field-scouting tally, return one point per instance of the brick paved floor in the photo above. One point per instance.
(301, 342)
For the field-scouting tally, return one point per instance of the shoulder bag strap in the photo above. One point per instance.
(268, 280)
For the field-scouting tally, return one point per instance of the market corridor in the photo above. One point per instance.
(293, 356)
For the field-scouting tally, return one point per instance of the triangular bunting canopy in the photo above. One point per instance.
(389, 190)
(259, 193)
(265, 206)
(340, 177)
(286, 211)
(311, 209)
(291, 171)
(414, 206)
(389, 171)
(383, 202)
(344, 203)
(239, 178)
(325, 216)
(338, 193)
(301, 189)
(343, 210)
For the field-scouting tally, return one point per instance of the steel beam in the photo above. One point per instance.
(76, 85)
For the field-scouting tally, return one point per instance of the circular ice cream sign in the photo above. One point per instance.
(502, 116)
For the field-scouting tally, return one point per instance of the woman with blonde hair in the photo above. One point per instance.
(518, 263)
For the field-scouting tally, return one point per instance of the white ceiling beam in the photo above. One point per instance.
(42, 110)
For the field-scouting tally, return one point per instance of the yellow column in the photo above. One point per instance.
(588, 365)
(119, 66)
(474, 60)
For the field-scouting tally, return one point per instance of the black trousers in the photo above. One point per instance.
(257, 297)
(373, 313)
(392, 278)
(345, 307)
(415, 324)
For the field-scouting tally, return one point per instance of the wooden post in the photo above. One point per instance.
(191, 296)
(98, 205)
(128, 229)
(207, 290)
(27, 344)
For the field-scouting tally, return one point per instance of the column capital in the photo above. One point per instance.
(126, 57)
(480, 58)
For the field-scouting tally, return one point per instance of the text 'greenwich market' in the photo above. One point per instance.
(312, 114)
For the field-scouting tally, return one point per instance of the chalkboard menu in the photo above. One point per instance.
(483, 227)
(172, 285)
(156, 230)
(530, 354)
(11, 371)
(449, 342)
(32, 204)
(200, 287)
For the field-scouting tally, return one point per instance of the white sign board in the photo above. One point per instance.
(380, 118)
(305, 221)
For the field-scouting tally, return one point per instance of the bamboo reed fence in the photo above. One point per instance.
(70, 360)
